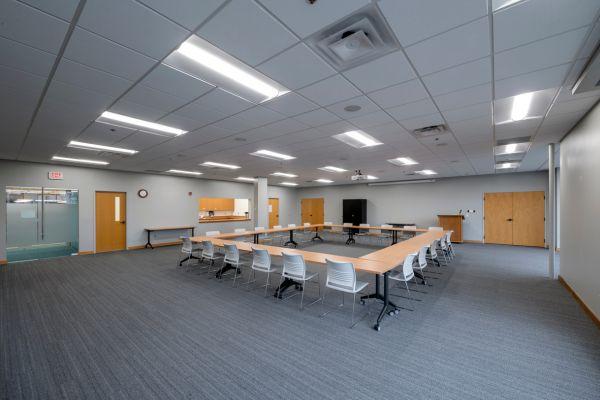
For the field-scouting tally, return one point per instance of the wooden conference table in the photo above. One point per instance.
(166, 228)
(379, 263)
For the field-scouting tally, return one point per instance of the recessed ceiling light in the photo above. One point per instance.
(284, 174)
(245, 178)
(352, 108)
(331, 168)
(507, 165)
(219, 165)
(130, 122)
(357, 139)
(289, 183)
(198, 57)
(402, 161)
(79, 160)
(321, 180)
(91, 146)
(511, 148)
(426, 172)
(520, 106)
(181, 171)
(272, 155)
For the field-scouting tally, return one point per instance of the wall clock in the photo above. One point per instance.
(143, 193)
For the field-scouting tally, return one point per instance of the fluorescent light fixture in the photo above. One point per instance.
(289, 183)
(223, 65)
(130, 122)
(330, 168)
(500, 4)
(284, 174)
(219, 165)
(520, 106)
(357, 139)
(79, 160)
(371, 177)
(321, 180)
(507, 165)
(511, 148)
(426, 172)
(23, 201)
(403, 161)
(92, 146)
(245, 178)
(181, 171)
(272, 155)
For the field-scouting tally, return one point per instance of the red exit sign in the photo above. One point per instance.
(55, 175)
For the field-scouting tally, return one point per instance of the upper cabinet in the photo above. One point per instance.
(216, 204)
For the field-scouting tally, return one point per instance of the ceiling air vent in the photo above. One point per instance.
(355, 40)
(428, 131)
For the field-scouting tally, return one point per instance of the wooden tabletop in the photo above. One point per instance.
(383, 228)
(396, 253)
(168, 228)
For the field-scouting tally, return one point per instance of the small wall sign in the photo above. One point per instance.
(55, 175)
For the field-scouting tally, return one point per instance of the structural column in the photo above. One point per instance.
(552, 273)
(261, 203)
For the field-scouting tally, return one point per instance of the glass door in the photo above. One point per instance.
(41, 223)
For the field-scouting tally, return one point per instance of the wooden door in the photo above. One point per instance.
(312, 210)
(110, 221)
(273, 212)
(529, 218)
(498, 214)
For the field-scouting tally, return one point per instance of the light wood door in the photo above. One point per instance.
(273, 212)
(498, 214)
(529, 218)
(312, 210)
(110, 221)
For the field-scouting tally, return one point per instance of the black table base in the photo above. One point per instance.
(291, 241)
(286, 284)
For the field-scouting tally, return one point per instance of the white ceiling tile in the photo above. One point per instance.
(531, 82)
(200, 113)
(370, 120)
(290, 104)
(21, 80)
(383, 72)
(365, 104)
(153, 98)
(536, 19)
(317, 117)
(397, 95)
(304, 18)
(413, 21)
(104, 134)
(469, 112)
(538, 55)
(189, 13)
(336, 127)
(181, 122)
(26, 58)
(234, 124)
(61, 121)
(247, 32)
(410, 110)
(422, 121)
(463, 76)
(223, 102)
(330, 90)
(59, 8)
(296, 67)
(211, 132)
(90, 78)
(92, 50)
(131, 24)
(169, 80)
(591, 42)
(141, 141)
(582, 104)
(458, 46)
(517, 129)
(78, 96)
(137, 110)
(24, 24)
(464, 97)
(258, 116)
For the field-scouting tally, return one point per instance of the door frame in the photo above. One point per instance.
(126, 219)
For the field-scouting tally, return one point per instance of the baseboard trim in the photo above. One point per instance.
(473, 241)
(585, 307)
(142, 246)
(85, 252)
(3, 262)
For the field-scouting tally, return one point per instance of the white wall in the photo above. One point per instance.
(420, 203)
(167, 204)
(580, 209)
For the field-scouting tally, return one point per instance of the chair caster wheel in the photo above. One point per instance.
(396, 311)
(362, 302)
(377, 327)
(391, 313)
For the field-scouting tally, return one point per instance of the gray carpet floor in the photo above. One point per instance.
(133, 326)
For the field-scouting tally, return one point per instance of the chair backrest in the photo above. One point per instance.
(436, 228)
(277, 227)
(423, 256)
(347, 224)
(208, 248)
(259, 228)
(186, 245)
(407, 269)
(442, 241)
(327, 223)
(293, 264)
(433, 248)
(448, 235)
(386, 226)
(307, 224)
(213, 233)
(261, 259)
(291, 225)
(340, 275)
(239, 230)
(231, 253)
(409, 227)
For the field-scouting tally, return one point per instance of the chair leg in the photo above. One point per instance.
(353, 304)
(323, 313)
(268, 282)
(302, 296)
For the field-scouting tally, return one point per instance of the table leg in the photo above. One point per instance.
(388, 306)
(317, 235)
(193, 230)
(291, 241)
(286, 284)
(394, 237)
(256, 238)
(190, 257)
(350, 237)
(148, 244)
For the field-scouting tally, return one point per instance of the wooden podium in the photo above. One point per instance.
(452, 223)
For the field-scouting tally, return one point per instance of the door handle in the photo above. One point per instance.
(122, 222)
(509, 220)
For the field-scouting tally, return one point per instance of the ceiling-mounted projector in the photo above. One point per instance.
(358, 176)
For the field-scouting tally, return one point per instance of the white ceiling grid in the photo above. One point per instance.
(455, 59)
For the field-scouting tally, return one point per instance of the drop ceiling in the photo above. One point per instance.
(63, 64)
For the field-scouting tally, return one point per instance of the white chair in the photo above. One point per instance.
(363, 232)
(187, 249)
(433, 254)
(435, 228)
(385, 235)
(422, 261)
(241, 238)
(232, 258)
(304, 234)
(405, 275)
(261, 262)
(264, 237)
(408, 235)
(280, 236)
(208, 253)
(341, 276)
(294, 268)
(213, 233)
(346, 228)
(443, 247)
(336, 231)
(449, 245)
